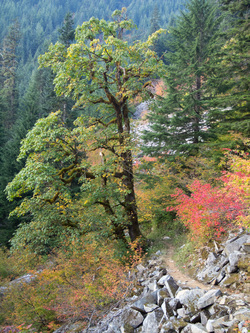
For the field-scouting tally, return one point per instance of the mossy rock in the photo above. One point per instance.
(76, 327)
(246, 288)
(128, 328)
(204, 253)
(179, 324)
(243, 264)
(231, 279)
(192, 271)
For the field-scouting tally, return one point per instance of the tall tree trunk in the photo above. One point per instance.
(197, 108)
(123, 123)
(130, 200)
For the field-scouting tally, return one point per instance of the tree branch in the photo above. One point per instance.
(51, 201)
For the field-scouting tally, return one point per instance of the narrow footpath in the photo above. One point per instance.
(181, 278)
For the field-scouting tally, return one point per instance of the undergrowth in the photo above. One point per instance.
(78, 281)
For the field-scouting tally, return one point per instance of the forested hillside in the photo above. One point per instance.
(83, 193)
(39, 22)
(26, 30)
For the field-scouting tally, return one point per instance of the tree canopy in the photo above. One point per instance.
(230, 79)
(179, 120)
(103, 71)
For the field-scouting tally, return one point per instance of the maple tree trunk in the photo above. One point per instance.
(128, 178)
(130, 201)
(123, 126)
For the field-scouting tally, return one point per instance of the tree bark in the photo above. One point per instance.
(197, 108)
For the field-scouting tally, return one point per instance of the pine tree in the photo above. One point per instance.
(179, 121)
(9, 141)
(155, 25)
(67, 31)
(9, 75)
(66, 37)
(231, 73)
(155, 20)
(9, 168)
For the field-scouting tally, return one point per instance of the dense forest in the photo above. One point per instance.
(26, 30)
(39, 22)
(81, 187)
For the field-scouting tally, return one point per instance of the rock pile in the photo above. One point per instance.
(228, 265)
(164, 307)
(161, 305)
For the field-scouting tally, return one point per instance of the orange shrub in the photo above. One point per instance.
(80, 282)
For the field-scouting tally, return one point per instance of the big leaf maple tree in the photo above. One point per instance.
(101, 71)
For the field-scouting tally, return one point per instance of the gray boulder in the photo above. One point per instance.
(236, 244)
(150, 324)
(161, 281)
(175, 303)
(234, 258)
(178, 324)
(220, 277)
(166, 308)
(246, 248)
(168, 328)
(189, 298)
(204, 315)
(153, 285)
(211, 258)
(242, 314)
(150, 307)
(209, 298)
(194, 328)
(171, 285)
(161, 294)
(208, 273)
(218, 323)
(150, 298)
(132, 318)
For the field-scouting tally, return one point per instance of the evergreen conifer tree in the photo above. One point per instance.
(67, 31)
(9, 168)
(159, 45)
(179, 120)
(155, 20)
(9, 75)
(66, 37)
(231, 73)
(8, 132)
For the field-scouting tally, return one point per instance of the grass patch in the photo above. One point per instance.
(184, 252)
(158, 236)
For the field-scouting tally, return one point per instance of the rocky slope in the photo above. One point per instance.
(162, 305)
(227, 265)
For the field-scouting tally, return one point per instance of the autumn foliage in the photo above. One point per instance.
(79, 282)
(210, 210)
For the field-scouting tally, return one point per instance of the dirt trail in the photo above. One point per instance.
(181, 278)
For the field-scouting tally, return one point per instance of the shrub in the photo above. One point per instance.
(210, 210)
(80, 282)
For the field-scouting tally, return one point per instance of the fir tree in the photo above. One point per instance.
(179, 121)
(9, 168)
(231, 73)
(9, 75)
(67, 31)
(9, 140)
(155, 20)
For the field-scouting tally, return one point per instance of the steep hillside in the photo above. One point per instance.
(40, 20)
